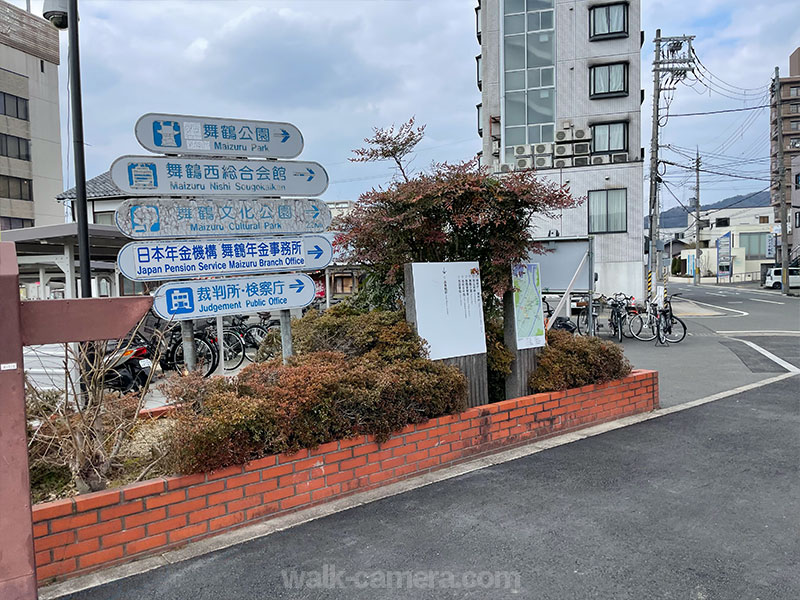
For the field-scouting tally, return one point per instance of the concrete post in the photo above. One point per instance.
(286, 334)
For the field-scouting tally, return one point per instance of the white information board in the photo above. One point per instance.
(449, 309)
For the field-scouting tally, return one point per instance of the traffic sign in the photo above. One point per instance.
(206, 298)
(156, 218)
(180, 259)
(177, 176)
(210, 136)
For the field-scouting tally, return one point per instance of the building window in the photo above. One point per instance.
(609, 137)
(13, 106)
(7, 223)
(754, 244)
(797, 219)
(104, 218)
(794, 142)
(794, 108)
(15, 147)
(762, 220)
(479, 65)
(609, 21)
(794, 125)
(722, 222)
(608, 211)
(480, 119)
(794, 91)
(342, 284)
(15, 188)
(608, 80)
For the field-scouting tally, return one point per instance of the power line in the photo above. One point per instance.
(716, 112)
(714, 172)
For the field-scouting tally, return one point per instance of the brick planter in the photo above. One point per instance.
(95, 530)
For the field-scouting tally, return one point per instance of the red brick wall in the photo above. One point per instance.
(90, 531)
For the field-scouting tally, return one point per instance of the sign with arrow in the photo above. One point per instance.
(210, 136)
(207, 298)
(181, 259)
(169, 218)
(178, 176)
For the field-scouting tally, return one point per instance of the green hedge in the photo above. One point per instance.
(570, 361)
(377, 381)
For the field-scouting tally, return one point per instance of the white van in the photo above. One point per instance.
(774, 278)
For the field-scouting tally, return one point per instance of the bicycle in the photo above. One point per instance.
(253, 335)
(563, 323)
(661, 323)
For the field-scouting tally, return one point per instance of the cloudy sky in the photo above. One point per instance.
(337, 68)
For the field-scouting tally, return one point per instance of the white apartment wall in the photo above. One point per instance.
(43, 129)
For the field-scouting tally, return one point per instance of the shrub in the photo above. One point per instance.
(318, 397)
(384, 336)
(571, 361)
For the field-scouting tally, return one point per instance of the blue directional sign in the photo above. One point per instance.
(159, 218)
(211, 136)
(178, 176)
(207, 298)
(186, 259)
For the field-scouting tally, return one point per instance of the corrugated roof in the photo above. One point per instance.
(97, 188)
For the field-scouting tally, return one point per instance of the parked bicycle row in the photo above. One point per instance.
(621, 316)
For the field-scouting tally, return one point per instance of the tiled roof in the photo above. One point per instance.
(97, 188)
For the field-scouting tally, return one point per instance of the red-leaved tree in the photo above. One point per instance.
(453, 212)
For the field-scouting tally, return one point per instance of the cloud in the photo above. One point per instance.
(339, 68)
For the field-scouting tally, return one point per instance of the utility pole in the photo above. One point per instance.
(782, 187)
(673, 59)
(654, 157)
(77, 148)
(697, 251)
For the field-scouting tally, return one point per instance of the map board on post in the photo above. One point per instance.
(213, 136)
(528, 312)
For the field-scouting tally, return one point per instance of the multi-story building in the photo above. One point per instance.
(789, 110)
(795, 208)
(30, 132)
(560, 93)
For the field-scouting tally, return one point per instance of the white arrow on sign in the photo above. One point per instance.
(187, 134)
(205, 298)
(181, 259)
(156, 218)
(175, 176)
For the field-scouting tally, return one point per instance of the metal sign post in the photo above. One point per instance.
(180, 176)
(157, 218)
(187, 134)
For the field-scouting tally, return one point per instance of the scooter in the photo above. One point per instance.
(129, 369)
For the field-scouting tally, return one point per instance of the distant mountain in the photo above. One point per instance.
(677, 217)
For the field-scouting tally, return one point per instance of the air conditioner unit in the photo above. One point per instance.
(564, 135)
(546, 148)
(506, 168)
(619, 158)
(524, 163)
(523, 150)
(581, 148)
(582, 134)
(581, 161)
(563, 150)
(601, 159)
(496, 147)
(562, 163)
(543, 162)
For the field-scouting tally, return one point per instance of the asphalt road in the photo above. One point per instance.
(701, 504)
(716, 355)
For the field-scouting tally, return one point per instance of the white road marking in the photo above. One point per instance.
(767, 301)
(717, 294)
(264, 528)
(776, 359)
(741, 313)
(763, 332)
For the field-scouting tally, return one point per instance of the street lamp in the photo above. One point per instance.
(63, 14)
